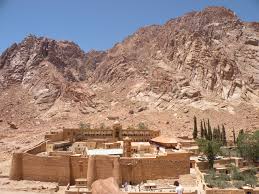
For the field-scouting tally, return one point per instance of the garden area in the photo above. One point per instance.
(235, 179)
(213, 145)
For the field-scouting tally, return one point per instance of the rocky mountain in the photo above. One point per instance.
(204, 63)
(208, 53)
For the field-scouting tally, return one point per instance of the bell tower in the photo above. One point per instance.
(117, 130)
(127, 147)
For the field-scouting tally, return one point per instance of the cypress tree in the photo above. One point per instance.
(195, 130)
(202, 130)
(220, 138)
(209, 131)
(234, 136)
(205, 130)
(241, 139)
(224, 138)
(214, 134)
(219, 135)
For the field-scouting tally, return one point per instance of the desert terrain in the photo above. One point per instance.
(203, 64)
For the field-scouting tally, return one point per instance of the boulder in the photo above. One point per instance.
(113, 118)
(131, 112)
(87, 110)
(106, 186)
(12, 125)
(142, 108)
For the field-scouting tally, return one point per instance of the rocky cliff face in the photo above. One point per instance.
(202, 54)
(50, 73)
(203, 60)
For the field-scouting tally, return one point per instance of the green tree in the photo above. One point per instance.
(209, 131)
(202, 130)
(245, 177)
(195, 130)
(218, 135)
(214, 134)
(240, 134)
(142, 126)
(224, 138)
(234, 135)
(210, 149)
(205, 130)
(83, 125)
(248, 146)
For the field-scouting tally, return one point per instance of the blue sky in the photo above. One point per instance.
(99, 24)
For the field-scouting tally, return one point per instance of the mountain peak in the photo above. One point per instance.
(197, 20)
(206, 56)
(218, 14)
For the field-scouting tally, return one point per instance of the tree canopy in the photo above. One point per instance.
(195, 128)
(248, 145)
(210, 149)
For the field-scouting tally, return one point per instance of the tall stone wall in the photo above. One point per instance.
(136, 170)
(78, 168)
(65, 169)
(16, 171)
(102, 167)
(49, 169)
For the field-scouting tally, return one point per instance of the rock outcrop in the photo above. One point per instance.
(209, 56)
(49, 71)
(202, 54)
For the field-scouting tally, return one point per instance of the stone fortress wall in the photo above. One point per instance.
(65, 168)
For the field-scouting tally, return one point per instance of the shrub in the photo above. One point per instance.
(238, 184)
(209, 179)
(251, 171)
(213, 180)
(142, 125)
(251, 180)
(238, 179)
(102, 126)
(236, 175)
(222, 184)
(224, 177)
(84, 125)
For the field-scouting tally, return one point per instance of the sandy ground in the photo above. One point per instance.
(17, 192)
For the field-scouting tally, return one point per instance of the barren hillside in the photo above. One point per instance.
(204, 63)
